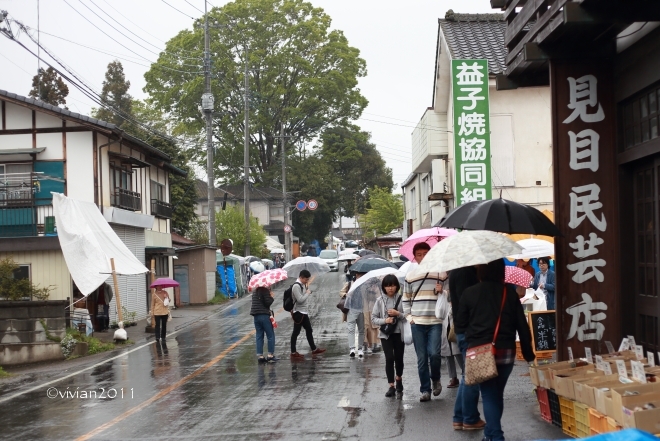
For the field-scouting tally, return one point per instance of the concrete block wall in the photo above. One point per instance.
(23, 338)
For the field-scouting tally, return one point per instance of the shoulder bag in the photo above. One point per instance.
(389, 328)
(480, 361)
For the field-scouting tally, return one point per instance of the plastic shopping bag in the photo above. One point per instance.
(441, 306)
(539, 303)
(407, 333)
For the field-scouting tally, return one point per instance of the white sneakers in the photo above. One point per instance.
(360, 353)
(352, 353)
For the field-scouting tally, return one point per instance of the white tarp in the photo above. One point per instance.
(88, 242)
(272, 243)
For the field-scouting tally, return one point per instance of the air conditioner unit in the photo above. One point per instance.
(439, 170)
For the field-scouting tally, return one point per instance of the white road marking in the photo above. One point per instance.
(123, 354)
(344, 402)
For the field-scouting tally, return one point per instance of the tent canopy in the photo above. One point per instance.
(272, 243)
(88, 243)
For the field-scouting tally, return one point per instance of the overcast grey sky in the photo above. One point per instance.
(396, 38)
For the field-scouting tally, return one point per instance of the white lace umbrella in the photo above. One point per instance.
(315, 265)
(348, 257)
(465, 249)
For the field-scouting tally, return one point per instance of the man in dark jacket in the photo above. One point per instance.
(545, 280)
(466, 413)
(260, 311)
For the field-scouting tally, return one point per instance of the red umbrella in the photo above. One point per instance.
(267, 278)
(517, 276)
(164, 282)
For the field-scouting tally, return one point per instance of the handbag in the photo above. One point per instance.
(407, 333)
(451, 336)
(341, 305)
(480, 361)
(389, 328)
(169, 316)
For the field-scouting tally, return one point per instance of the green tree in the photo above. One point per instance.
(49, 87)
(385, 212)
(230, 224)
(302, 75)
(357, 163)
(313, 177)
(18, 289)
(115, 94)
(182, 188)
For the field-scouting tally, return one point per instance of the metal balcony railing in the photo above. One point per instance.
(26, 218)
(127, 199)
(161, 209)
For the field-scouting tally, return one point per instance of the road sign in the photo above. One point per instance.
(287, 228)
(312, 204)
(301, 205)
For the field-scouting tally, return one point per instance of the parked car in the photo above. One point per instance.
(330, 257)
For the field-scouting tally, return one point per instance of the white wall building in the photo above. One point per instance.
(45, 148)
(521, 140)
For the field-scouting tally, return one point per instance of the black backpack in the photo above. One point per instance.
(289, 301)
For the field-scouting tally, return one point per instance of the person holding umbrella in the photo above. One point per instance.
(419, 299)
(262, 299)
(160, 308)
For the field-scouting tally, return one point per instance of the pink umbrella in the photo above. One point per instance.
(429, 235)
(164, 282)
(517, 276)
(267, 278)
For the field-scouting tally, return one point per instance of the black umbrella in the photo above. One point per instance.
(499, 215)
(372, 256)
(365, 252)
(365, 265)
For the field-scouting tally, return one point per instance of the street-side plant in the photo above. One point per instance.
(49, 336)
(4, 373)
(129, 316)
(68, 345)
(218, 299)
(19, 289)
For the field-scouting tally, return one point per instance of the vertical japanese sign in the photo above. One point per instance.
(471, 130)
(585, 186)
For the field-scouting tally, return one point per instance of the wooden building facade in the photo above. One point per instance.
(601, 60)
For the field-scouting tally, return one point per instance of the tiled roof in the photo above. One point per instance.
(476, 36)
(31, 102)
(256, 193)
(202, 191)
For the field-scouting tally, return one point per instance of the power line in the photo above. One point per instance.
(194, 6)
(402, 125)
(120, 24)
(177, 9)
(1, 55)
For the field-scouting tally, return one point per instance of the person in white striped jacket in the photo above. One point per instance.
(419, 299)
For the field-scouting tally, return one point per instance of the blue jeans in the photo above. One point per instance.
(550, 301)
(492, 392)
(427, 340)
(465, 408)
(262, 324)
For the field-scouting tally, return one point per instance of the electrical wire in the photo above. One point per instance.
(402, 125)
(177, 9)
(193, 6)
(1, 55)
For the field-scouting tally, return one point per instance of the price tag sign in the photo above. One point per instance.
(638, 371)
(624, 344)
(599, 363)
(587, 354)
(639, 352)
(651, 357)
(607, 368)
(631, 342)
(621, 368)
(570, 354)
(610, 348)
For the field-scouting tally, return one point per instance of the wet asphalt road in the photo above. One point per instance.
(209, 386)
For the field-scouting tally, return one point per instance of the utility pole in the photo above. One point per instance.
(246, 159)
(285, 199)
(207, 108)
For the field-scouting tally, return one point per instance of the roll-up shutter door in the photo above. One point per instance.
(133, 289)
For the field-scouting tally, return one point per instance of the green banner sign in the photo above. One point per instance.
(471, 130)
